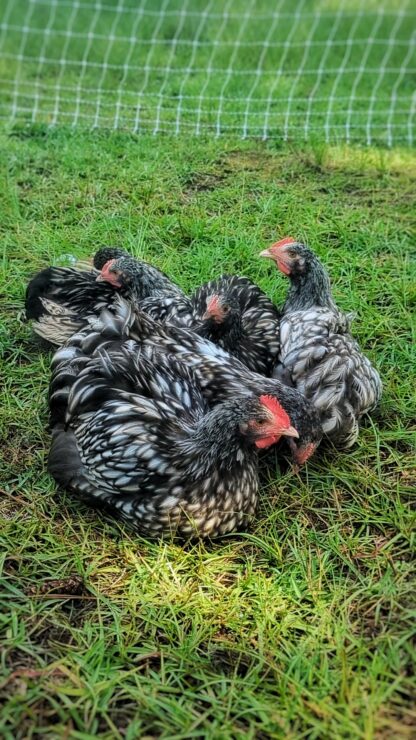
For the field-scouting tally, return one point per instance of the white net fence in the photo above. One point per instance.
(334, 70)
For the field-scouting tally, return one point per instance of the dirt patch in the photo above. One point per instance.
(408, 478)
(25, 185)
(402, 445)
(228, 660)
(397, 721)
(201, 182)
(20, 660)
(252, 161)
(68, 587)
(375, 617)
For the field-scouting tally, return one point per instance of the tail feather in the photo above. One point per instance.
(64, 461)
(39, 286)
(57, 323)
(66, 467)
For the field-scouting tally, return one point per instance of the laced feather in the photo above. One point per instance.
(126, 434)
(251, 333)
(324, 361)
(61, 300)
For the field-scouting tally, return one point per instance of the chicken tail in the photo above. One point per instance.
(57, 324)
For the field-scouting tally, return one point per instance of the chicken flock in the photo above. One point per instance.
(161, 403)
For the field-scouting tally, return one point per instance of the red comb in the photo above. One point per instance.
(283, 242)
(277, 410)
(107, 276)
(212, 302)
(106, 266)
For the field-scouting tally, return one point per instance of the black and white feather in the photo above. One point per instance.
(132, 432)
(246, 323)
(220, 375)
(318, 353)
(59, 300)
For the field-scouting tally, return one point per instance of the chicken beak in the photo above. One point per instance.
(266, 253)
(290, 432)
(276, 253)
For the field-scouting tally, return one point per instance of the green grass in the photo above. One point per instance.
(319, 68)
(301, 628)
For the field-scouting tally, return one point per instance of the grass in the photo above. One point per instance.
(289, 69)
(302, 627)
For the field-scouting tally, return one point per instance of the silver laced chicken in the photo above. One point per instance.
(318, 354)
(132, 432)
(221, 376)
(59, 299)
(231, 311)
(234, 313)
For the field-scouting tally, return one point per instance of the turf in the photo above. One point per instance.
(318, 67)
(302, 627)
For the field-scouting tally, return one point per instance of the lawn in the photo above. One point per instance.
(289, 68)
(302, 627)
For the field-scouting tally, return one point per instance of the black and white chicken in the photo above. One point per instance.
(231, 311)
(221, 376)
(59, 299)
(234, 313)
(318, 353)
(133, 432)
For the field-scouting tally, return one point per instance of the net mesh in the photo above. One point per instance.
(325, 69)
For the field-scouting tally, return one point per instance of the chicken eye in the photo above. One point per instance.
(261, 422)
(225, 309)
(291, 253)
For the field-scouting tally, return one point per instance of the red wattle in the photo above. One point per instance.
(267, 441)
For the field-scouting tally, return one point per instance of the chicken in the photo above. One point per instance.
(59, 299)
(136, 279)
(235, 314)
(231, 311)
(73, 288)
(132, 432)
(56, 296)
(318, 354)
(221, 376)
